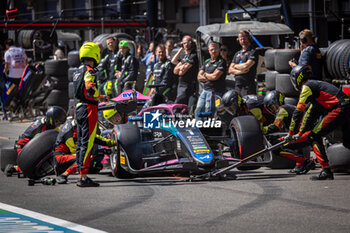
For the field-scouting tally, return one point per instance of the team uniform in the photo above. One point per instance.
(16, 57)
(65, 148)
(292, 151)
(128, 76)
(245, 83)
(34, 129)
(206, 101)
(325, 100)
(188, 82)
(312, 56)
(254, 104)
(106, 70)
(86, 115)
(282, 119)
(163, 74)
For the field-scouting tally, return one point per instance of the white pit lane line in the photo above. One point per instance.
(19, 220)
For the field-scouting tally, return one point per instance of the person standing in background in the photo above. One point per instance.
(15, 62)
(187, 69)
(310, 54)
(244, 65)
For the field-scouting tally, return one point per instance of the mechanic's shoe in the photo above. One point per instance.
(62, 179)
(87, 182)
(9, 170)
(296, 169)
(325, 174)
(306, 167)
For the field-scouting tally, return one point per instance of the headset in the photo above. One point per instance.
(303, 37)
(247, 33)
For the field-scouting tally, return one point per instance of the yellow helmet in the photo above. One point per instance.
(109, 113)
(90, 50)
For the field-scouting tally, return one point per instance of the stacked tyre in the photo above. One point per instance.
(56, 71)
(73, 63)
(277, 78)
(337, 60)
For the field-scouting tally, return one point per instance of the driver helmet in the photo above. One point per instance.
(232, 102)
(55, 116)
(112, 116)
(299, 75)
(273, 100)
(90, 50)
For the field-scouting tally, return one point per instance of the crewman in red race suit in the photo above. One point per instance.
(325, 100)
(65, 149)
(86, 91)
(274, 103)
(55, 116)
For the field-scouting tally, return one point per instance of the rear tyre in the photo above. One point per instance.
(339, 157)
(246, 131)
(36, 158)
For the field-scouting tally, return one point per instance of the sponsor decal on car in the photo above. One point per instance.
(201, 151)
(122, 159)
(155, 120)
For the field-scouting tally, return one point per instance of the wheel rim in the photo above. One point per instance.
(114, 155)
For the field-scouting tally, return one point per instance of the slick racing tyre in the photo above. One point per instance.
(36, 157)
(8, 155)
(56, 67)
(339, 157)
(282, 57)
(270, 80)
(127, 150)
(245, 130)
(73, 59)
(269, 59)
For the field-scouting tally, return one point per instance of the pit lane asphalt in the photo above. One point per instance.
(262, 200)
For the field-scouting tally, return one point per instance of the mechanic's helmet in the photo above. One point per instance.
(299, 75)
(231, 101)
(55, 116)
(273, 100)
(123, 43)
(90, 50)
(112, 116)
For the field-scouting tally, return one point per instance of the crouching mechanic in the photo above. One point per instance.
(274, 103)
(54, 117)
(325, 100)
(235, 105)
(86, 92)
(65, 149)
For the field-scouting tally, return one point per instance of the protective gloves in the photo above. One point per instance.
(296, 137)
(288, 138)
(111, 143)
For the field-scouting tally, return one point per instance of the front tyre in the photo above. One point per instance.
(114, 159)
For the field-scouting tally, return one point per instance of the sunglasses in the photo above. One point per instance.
(213, 50)
(223, 49)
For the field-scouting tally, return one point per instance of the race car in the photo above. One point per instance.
(163, 139)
